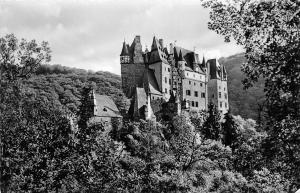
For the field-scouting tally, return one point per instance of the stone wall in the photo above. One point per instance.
(132, 75)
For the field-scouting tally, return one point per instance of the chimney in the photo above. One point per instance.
(137, 39)
(161, 42)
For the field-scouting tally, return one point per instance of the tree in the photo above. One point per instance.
(229, 128)
(18, 60)
(86, 108)
(282, 148)
(212, 126)
(269, 33)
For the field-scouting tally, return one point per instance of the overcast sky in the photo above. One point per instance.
(89, 34)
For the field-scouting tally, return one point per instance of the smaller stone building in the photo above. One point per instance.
(105, 111)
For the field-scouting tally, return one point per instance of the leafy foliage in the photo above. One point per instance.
(269, 32)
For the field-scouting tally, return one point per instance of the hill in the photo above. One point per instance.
(63, 85)
(242, 102)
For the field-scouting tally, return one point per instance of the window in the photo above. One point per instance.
(201, 84)
(169, 91)
(220, 104)
(188, 92)
(194, 83)
(187, 74)
(193, 104)
(219, 94)
(220, 87)
(166, 90)
(196, 104)
(225, 105)
(203, 95)
(165, 69)
(153, 97)
(166, 80)
(190, 82)
(196, 93)
(224, 89)
(169, 81)
(168, 69)
(212, 96)
(225, 95)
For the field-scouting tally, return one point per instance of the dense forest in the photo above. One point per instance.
(48, 145)
(247, 103)
(63, 84)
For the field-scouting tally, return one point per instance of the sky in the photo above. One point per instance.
(88, 34)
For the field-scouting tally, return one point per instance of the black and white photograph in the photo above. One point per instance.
(150, 96)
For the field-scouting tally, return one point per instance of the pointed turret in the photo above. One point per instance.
(124, 56)
(125, 51)
(155, 44)
(180, 58)
(203, 62)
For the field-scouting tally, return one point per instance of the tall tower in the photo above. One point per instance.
(217, 85)
(132, 66)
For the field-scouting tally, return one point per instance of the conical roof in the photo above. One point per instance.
(180, 58)
(203, 61)
(125, 51)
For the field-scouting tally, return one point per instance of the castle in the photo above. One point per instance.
(171, 75)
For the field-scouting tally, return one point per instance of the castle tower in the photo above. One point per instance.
(132, 66)
(158, 62)
(217, 85)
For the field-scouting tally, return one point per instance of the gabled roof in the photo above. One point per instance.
(153, 85)
(216, 70)
(105, 107)
(157, 53)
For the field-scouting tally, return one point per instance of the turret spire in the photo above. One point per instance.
(125, 51)
(180, 56)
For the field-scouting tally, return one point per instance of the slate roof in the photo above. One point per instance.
(150, 79)
(105, 107)
(157, 53)
(125, 51)
(216, 70)
(190, 57)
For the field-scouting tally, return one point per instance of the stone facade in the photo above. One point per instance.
(163, 72)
